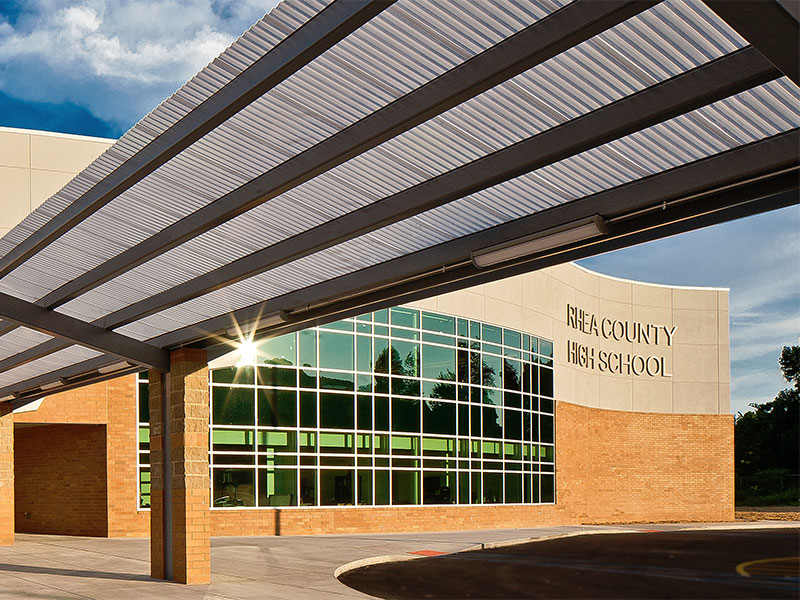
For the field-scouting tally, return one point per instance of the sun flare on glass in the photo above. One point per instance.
(248, 351)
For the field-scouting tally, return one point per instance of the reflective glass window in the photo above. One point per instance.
(278, 350)
(308, 487)
(232, 440)
(336, 411)
(307, 347)
(364, 487)
(277, 487)
(277, 377)
(363, 353)
(336, 487)
(439, 417)
(335, 350)
(492, 334)
(277, 408)
(308, 409)
(439, 487)
(347, 384)
(405, 487)
(405, 317)
(405, 414)
(233, 406)
(233, 487)
(492, 488)
(405, 358)
(277, 441)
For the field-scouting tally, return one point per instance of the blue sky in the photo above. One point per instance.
(95, 67)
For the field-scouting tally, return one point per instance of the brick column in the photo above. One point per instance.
(188, 521)
(6, 475)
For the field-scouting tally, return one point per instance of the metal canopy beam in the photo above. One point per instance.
(31, 354)
(81, 333)
(533, 45)
(750, 162)
(713, 81)
(467, 275)
(719, 207)
(73, 376)
(335, 22)
(350, 293)
(769, 27)
(76, 382)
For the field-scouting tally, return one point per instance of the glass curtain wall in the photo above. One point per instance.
(395, 407)
(143, 434)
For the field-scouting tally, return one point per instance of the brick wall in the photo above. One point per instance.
(6, 476)
(124, 518)
(112, 406)
(626, 466)
(612, 466)
(60, 473)
(85, 405)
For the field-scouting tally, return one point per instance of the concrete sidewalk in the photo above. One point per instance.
(243, 568)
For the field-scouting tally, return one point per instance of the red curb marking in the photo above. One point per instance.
(652, 530)
(428, 552)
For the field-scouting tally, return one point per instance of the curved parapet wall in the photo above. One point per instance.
(619, 344)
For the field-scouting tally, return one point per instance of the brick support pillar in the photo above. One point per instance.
(180, 519)
(6, 475)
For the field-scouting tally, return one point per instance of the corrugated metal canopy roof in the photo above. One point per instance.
(341, 157)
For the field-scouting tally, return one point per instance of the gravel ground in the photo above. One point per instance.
(768, 513)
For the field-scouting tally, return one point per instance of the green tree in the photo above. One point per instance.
(790, 365)
(767, 440)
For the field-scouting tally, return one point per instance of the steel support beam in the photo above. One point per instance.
(750, 162)
(332, 24)
(533, 45)
(81, 333)
(33, 353)
(391, 283)
(771, 27)
(441, 281)
(716, 80)
(78, 382)
(74, 376)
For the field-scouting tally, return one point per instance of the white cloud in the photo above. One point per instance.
(119, 58)
(757, 385)
(122, 40)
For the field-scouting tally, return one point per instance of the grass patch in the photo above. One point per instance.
(782, 498)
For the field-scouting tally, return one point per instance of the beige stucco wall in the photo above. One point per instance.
(34, 165)
(696, 374)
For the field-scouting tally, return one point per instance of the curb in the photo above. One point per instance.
(543, 538)
(373, 560)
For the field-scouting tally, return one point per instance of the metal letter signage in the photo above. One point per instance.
(617, 330)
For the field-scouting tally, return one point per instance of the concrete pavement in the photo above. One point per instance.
(243, 568)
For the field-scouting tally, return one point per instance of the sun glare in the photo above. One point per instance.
(247, 353)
